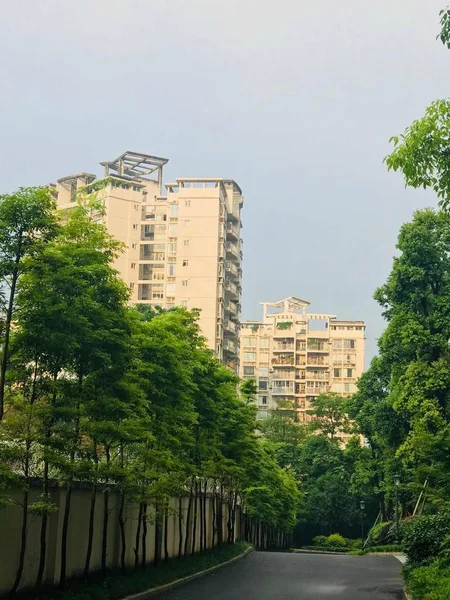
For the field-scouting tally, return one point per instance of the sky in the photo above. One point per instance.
(295, 100)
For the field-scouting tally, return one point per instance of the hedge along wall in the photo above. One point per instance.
(10, 531)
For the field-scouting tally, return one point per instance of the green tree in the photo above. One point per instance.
(27, 220)
(329, 415)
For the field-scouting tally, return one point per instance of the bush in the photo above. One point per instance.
(319, 540)
(425, 536)
(378, 535)
(353, 544)
(336, 539)
(429, 583)
(325, 548)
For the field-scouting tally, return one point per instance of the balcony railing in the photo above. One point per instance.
(282, 389)
(283, 375)
(229, 346)
(230, 307)
(232, 230)
(232, 289)
(283, 360)
(230, 325)
(232, 249)
(317, 361)
(231, 268)
(283, 347)
(318, 376)
(318, 348)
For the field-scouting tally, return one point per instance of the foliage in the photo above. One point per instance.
(329, 415)
(425, 537)
(444, 34)
(335, 539)
(284, 324)
(429, 582)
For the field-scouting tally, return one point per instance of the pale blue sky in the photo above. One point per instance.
(294, 99)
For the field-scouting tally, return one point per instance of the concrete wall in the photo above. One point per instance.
(10, 528)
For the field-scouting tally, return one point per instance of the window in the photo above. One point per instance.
(250, 356)
(263, 385)
(349, 343)
(249, 371)
(157, 295)
(185, 263)
(173, 229)
(131, 286)
(263, 400)
(187, 202)
(173, 210)
(264, 343)
(133, 265)
(349, 372)
(264, 372)
(135, 226)
(170, 289)
(184, 283)
(134, 246)
(183, 303)
(336, 372)
(171, 270)
(186, 222)
(249, 341)
(172, 248)
(337, 343)
(186, 243)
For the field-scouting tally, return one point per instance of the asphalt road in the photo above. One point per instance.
(282, 576)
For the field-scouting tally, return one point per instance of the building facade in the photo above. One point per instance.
(182, 241)
(294, 355)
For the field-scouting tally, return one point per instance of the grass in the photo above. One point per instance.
(118, 585)
(429, 582)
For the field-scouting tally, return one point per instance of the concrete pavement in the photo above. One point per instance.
(282, 576)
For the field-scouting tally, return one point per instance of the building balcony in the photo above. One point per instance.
(283, 390)
(232, 289)
(232, 270)
(229, 346)
(230, 327)
(319, 348)
(318, 376)
(230, 307)
(283, 361)
(232, 231)
(317, 363)
(283, 347)
(232, 250)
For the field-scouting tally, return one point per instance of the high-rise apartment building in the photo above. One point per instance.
(182, 241)
(294, 355)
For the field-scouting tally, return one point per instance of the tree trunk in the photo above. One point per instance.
(194, 525)
(166, 527)
(205, 522)
(43, 535)
(144, 535)
(214, 519)
(138, 536)
(180, 526)
(64, 533)
(23, 543)
(8, 321)
(200, 500)
(188, 523)
(123, 539)
(87, 563)
(105, 529)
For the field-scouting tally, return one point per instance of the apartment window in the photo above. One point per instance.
(336, 372)
(170, 289)
(249, 341)
(135, 226)
(337, 344)
(187, 202)
(173, 210)
(185, 263)
(263, 400)
(249, 371)
(186, 243)
(183, 303)
(157, 295)
(264, 372)
(250, 356)
(131, 286)
(171, 270)
(263, 385)
(264, 343)
(173, 229)
(349, 343)
(172, 248)
(134, 246)
(186, 222)
(349, 373)
(347, 387)
(184, 282)
(133, 265)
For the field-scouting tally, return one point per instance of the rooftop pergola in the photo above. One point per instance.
(291, 304)
(135, 166)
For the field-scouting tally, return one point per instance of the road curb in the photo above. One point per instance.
(299, 551)
(406, 596)
(173, 584)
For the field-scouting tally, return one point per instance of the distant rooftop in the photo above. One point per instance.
(134, 165)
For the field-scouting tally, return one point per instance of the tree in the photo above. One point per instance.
(329, 415)
(27, 221)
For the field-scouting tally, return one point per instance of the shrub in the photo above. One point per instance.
(425, 536)
(430, 583)
(404, 524)
(319, 540)
(378, 535)
(353, 544)
(336, 539)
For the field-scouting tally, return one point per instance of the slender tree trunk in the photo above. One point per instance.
(194, 525)
(138, 536)
(43, 535)
(64, 532)
(144, 535)
(123, 539)
(23, 543)
(8, 321)
(220, 518)
(200, 500)
(166, 534)
(188, 523)
(87, 563)
(105, 529)
(214, 518)
(205, 522)
(180, 526)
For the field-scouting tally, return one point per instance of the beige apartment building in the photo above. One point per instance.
(294, 355)
(183, 240)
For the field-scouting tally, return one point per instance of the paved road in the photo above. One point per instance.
(281, 576)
